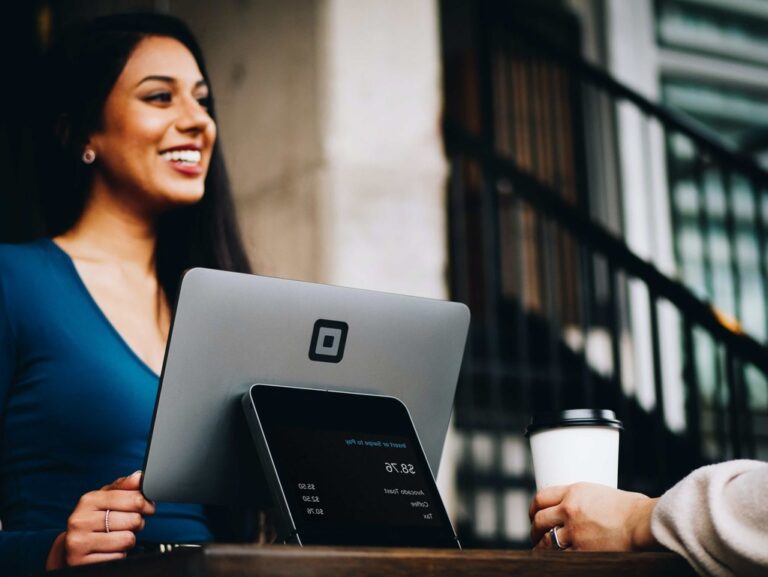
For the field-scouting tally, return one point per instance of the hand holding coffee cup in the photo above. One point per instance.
(573, 446)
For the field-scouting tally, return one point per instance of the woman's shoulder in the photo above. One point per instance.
(18, 253)
(25, 260)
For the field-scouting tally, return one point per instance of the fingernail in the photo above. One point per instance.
(136, 473)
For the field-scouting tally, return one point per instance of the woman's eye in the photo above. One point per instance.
(163, 97)
(204, 101)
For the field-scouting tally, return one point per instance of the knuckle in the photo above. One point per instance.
(74, 523)
(73, 542)
(91, 495)
(572, 509)
(138, 501)
(137, 521)
(579, 487)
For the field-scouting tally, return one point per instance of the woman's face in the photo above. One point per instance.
(156, 138)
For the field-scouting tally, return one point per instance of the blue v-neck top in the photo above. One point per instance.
(75, 408)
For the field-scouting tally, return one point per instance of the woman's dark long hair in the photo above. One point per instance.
(78, 75)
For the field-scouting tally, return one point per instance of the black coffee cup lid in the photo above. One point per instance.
(573, 418)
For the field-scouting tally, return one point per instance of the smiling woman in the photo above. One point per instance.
(134, 192)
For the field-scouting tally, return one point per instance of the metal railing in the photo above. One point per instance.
(565, 314)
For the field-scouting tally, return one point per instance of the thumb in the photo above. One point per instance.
(130, 483)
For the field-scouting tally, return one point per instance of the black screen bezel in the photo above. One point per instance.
(288, 407)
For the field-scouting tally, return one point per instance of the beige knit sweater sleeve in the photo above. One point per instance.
(717, 518)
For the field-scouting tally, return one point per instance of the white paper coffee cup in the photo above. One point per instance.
(573, 446)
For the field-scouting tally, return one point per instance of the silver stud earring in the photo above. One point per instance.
(89, 155)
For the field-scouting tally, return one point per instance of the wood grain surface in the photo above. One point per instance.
(291, 561)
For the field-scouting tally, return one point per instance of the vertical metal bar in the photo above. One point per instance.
(747, 429)
(658, 387)
(534, 102)
(674, 174)
(531, 218)
(705, 226)
(517, 347)
(554, 257)
(585, 306)
(491, 268)
(550, 278)
(726, 179)
(734, 403)
(758, 208)
(614, 322)
(693, 396)
(740, 407)
(460, 281)
(719, 403)
(705, 230)
(544, 167)
(488, 49)
(618, 310)
(525, 241)
(758, 203)
(459, 240)
(586, 269)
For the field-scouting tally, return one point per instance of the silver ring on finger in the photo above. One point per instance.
(106, 521)
(555, 541)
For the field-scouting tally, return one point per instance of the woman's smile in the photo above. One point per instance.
(184, 159)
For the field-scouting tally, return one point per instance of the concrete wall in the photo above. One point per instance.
(263, 61)
(382, 144)
(329, 114)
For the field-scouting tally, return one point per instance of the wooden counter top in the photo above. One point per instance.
(291, 561)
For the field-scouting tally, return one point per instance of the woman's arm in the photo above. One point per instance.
(25, 552)
(21, 552)
(717, 518)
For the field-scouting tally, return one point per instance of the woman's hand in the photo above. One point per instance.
(592, 517)
(87, 540)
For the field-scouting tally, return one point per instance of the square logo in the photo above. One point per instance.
(328, 340)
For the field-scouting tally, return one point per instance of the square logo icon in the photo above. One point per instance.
(328, 340)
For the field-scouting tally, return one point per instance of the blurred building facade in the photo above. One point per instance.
(526, 158)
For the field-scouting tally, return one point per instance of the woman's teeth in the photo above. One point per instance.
(183, 156)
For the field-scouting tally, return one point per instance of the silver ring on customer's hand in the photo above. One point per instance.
(555, 541)
(106, 521)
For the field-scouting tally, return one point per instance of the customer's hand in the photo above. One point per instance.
(87, 540)
(592, 517)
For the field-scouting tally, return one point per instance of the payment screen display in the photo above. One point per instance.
(352, 470)
(341, 477)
